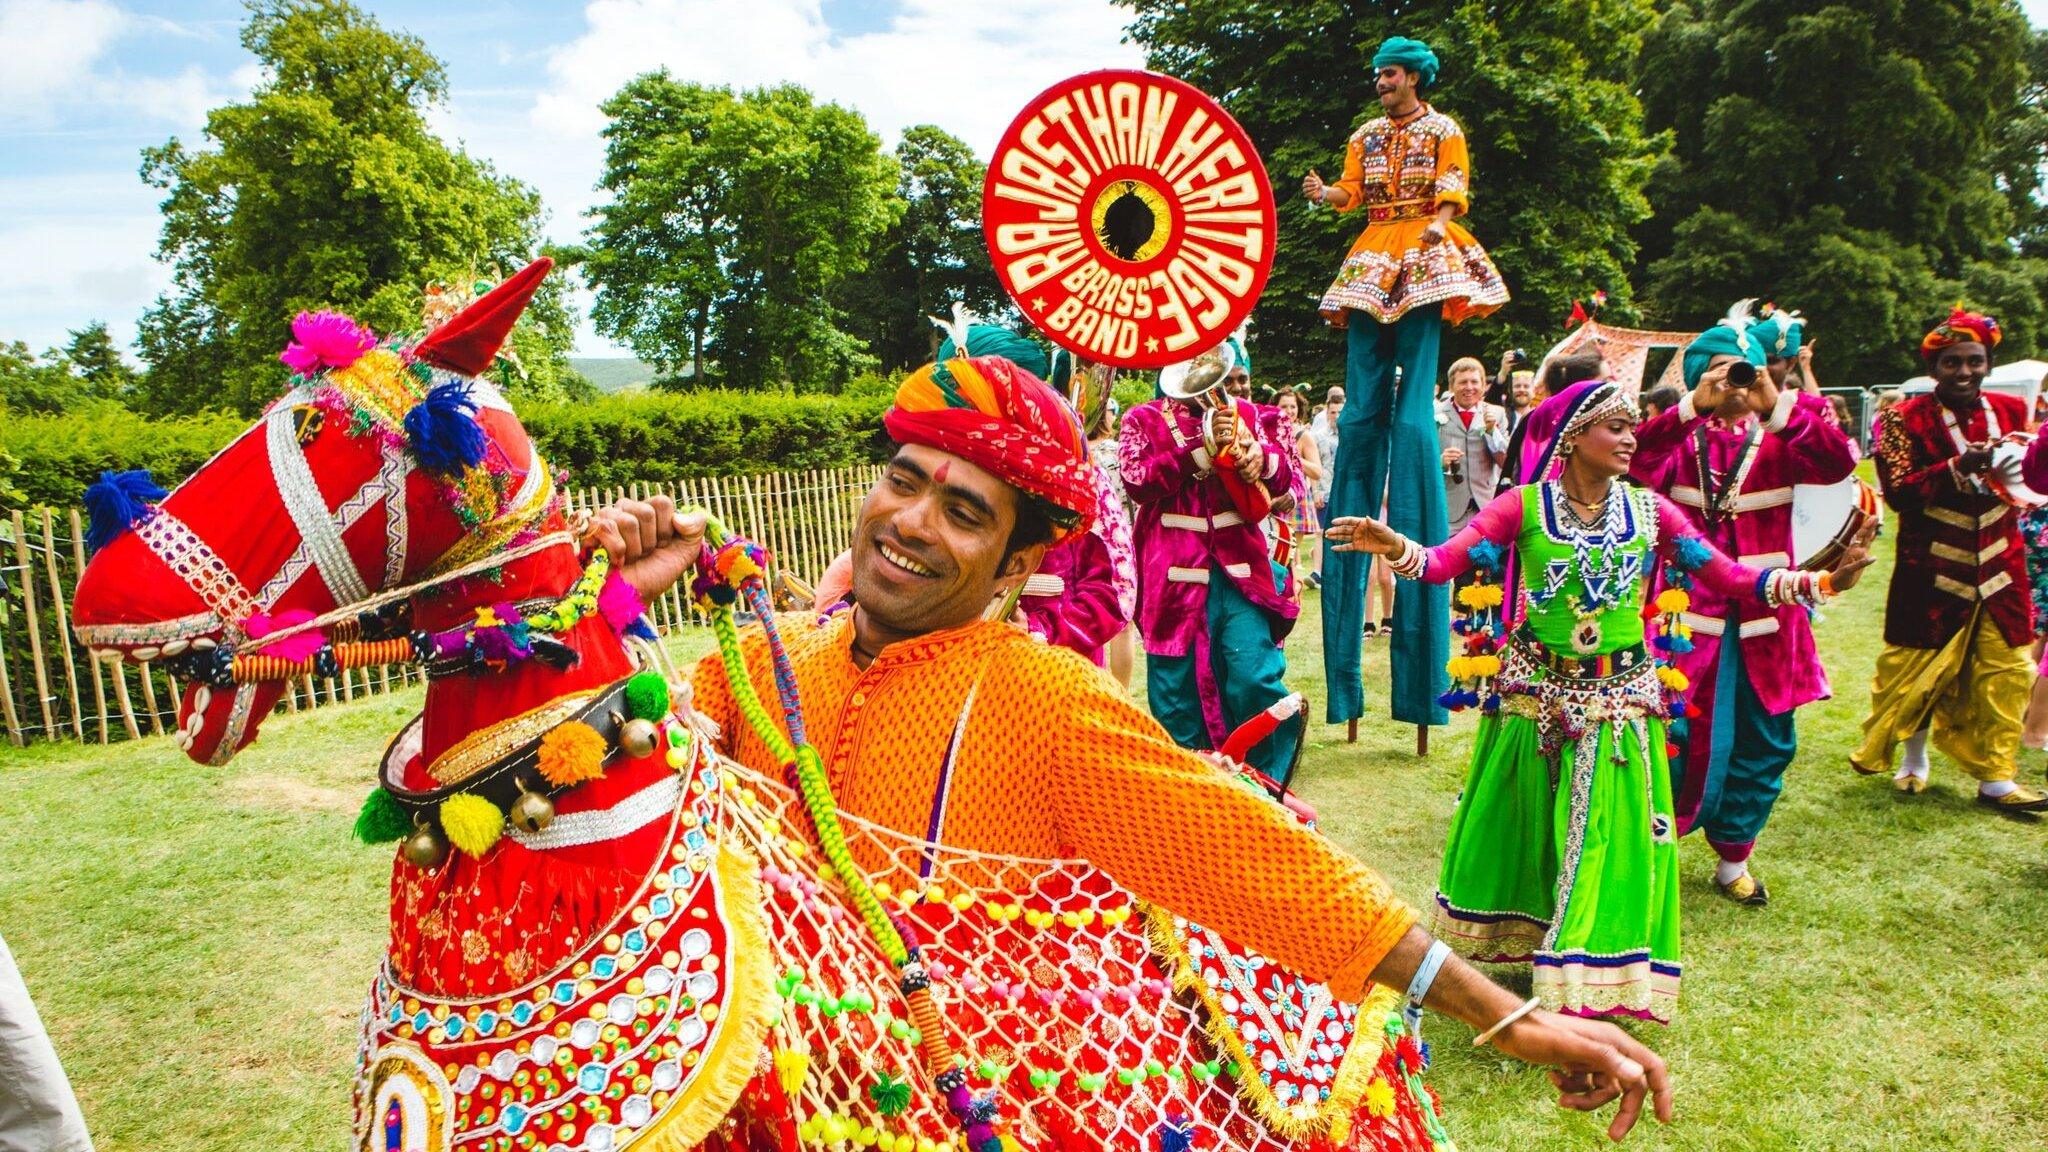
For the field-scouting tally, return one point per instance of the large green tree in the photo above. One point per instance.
(1868, 163)
(732, 219)
(326, 188)
(1543, 91)
(931, 258)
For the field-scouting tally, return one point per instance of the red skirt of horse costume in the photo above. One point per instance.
(735, 1002)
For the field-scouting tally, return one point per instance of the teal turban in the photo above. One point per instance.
(1243, 358)
(989, 340)
(1413, 55)
(1728, 338)
(1780, 333)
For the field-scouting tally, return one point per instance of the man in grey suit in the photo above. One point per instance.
(1473, 437)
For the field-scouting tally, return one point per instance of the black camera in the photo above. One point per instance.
(1518, 359)
(1741, 374)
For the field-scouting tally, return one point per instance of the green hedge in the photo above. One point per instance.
(607, 442)
(57, 456)
(672, 435)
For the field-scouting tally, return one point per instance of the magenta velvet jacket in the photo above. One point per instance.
(1186, 529)
(1800, 444)
(1086, 589)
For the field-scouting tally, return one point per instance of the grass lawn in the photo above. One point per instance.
(199, 939)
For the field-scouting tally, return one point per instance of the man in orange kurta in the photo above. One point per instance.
(1054, 761)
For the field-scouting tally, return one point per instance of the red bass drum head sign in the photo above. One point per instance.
(1130, 218)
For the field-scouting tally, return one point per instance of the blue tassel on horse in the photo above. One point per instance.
(118, 501)
(442, 430)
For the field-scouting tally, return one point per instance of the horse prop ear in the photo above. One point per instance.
(470, 340)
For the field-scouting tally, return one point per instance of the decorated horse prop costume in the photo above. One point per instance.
(604, 935)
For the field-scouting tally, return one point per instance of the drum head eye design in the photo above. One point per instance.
(1130, 220)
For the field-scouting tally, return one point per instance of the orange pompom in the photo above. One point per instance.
(571, 754)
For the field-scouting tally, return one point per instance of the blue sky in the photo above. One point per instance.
(87, 84)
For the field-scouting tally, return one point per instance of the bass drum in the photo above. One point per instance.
(1826, 517)
(2006, 479)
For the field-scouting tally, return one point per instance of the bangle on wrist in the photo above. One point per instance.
(1528, 1006)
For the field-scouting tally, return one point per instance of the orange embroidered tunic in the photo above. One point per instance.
(1055, 762)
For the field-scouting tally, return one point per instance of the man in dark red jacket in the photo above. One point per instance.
(1958, 618)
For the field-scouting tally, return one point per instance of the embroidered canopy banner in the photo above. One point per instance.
(1130, 218)
(1628, 352)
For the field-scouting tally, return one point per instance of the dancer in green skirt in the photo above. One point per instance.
(1563, 849)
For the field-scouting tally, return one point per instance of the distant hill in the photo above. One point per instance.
(613, 373)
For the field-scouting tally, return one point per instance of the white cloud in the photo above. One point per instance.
(966, 65)
(57, 73)
(48, 45)
(73, 251)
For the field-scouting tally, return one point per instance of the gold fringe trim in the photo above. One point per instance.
(486, 746)
(750, 1010)
(1333, 1118)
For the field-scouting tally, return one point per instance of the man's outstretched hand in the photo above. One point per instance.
(1592, 1063)
(651, 545)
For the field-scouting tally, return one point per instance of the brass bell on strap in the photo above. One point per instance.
(638, 738)
(426, 847)
(532, 811)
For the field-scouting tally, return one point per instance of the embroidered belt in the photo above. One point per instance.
(1044, 584)
(1199, 523)
(1179, 575)
(1956, 519)
(1984, 591)
(1400, 210)
(1715, 626)
(1603, 667)
(1957, 555)
(502, 778)
(1743, 502)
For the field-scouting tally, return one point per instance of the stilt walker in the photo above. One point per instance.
(1412, 269)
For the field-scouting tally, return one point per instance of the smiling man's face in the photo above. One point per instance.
(928, 550)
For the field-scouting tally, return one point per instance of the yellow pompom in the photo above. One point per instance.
(790, 1069)
(1672, 601)
(1673, 679)
(1492, 595)
(1460, 667)
(473, 824)
(1486, 665)
(571, 753)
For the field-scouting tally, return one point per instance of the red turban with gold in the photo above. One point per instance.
(1961, 328)
(1000, 418)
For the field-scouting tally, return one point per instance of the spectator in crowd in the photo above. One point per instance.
(1472, 439)
(1846, 423)
(1310, 474)
(1657, 400)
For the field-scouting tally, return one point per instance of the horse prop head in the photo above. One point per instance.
(385, 462)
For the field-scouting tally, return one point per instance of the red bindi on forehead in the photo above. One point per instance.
(939, 473)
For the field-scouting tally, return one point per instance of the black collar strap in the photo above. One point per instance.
(502, 780)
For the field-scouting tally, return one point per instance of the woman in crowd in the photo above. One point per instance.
(1310, 476)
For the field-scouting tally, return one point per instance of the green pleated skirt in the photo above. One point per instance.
(1568, 863)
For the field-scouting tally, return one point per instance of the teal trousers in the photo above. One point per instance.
(1389, 428)
(1250, 673)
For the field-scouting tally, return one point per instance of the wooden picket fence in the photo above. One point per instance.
(51, 689)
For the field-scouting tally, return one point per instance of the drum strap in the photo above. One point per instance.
(1962, 442)
(1717, 494)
